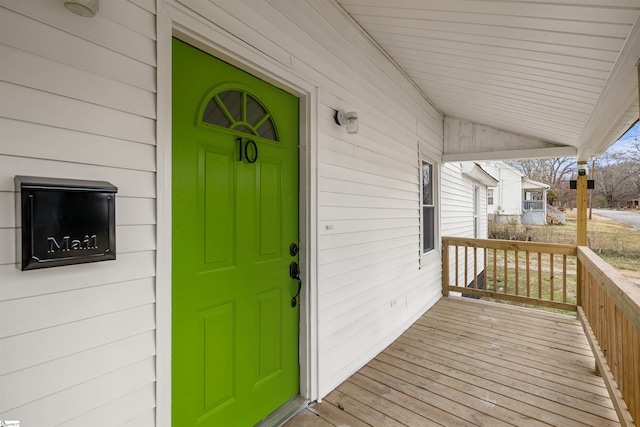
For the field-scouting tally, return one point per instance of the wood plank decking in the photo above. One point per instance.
(469, 362)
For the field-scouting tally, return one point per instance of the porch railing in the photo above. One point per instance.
(540, 274)
(533, 205)
(561, 277)
(610, 314)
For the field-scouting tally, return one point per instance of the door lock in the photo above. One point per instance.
(293, 249)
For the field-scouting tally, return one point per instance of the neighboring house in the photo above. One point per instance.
(534, 202)
(517, 197)
(216, 121)
(464, 199)
(505, 199)
(464, 207)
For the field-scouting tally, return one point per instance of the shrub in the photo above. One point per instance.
(509, 231)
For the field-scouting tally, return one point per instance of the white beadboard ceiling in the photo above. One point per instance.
(558, 70)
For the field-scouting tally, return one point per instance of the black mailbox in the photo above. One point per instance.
(65, 221)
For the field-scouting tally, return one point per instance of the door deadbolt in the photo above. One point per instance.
(293, 249)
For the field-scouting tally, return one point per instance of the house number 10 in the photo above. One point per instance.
(246, 153)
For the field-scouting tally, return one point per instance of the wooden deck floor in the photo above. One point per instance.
(469, 362)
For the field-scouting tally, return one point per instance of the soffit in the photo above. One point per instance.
(561, 71)
(528, 184)
(477, 173)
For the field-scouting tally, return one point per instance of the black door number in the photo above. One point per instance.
(247, 150)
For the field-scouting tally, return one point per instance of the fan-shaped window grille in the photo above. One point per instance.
(238, 110)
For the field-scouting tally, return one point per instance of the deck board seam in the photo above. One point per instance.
(473, 362)
(541, 387)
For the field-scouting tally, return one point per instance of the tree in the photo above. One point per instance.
(554, 172)
(549, 171)
(631, 160)
(632, 154)
(618, 175)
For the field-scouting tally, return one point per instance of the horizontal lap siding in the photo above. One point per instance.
(370, 284)
(368, 237)
(78, 101)
(457, 217)
(507, 197)
(457, 202)
(91, 115)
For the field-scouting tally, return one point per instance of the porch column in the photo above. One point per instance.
(544, 204)
(581, 234)
(582, 203)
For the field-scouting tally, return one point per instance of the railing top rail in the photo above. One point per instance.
(624, 294)
(515, 245)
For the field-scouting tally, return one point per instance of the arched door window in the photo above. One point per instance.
(238, 110)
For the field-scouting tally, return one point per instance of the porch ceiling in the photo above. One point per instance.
(562, 71)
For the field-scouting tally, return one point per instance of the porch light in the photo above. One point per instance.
(85, 8)
(583, 168)
(349, 119)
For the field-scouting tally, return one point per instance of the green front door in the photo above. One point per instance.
(235, 216)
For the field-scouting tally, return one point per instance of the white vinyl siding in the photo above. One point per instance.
(79, 101)
(507, 195)
(457, 213)
(370, 286)
(456, 202)
(77, 343)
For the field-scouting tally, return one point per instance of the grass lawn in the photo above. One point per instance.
(553, 277)
(548, 277)
(616, 243)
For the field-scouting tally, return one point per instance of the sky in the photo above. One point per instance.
(626, 139)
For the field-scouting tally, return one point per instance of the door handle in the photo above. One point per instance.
(294, 272)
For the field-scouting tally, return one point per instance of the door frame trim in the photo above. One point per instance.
(176, 20)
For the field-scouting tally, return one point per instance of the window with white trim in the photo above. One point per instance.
(476, 211)
(428, 208)
(490, 196)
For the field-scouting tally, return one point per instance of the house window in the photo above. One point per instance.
(239, 111)
(490, 196)
(428, 208)
(476, 211)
